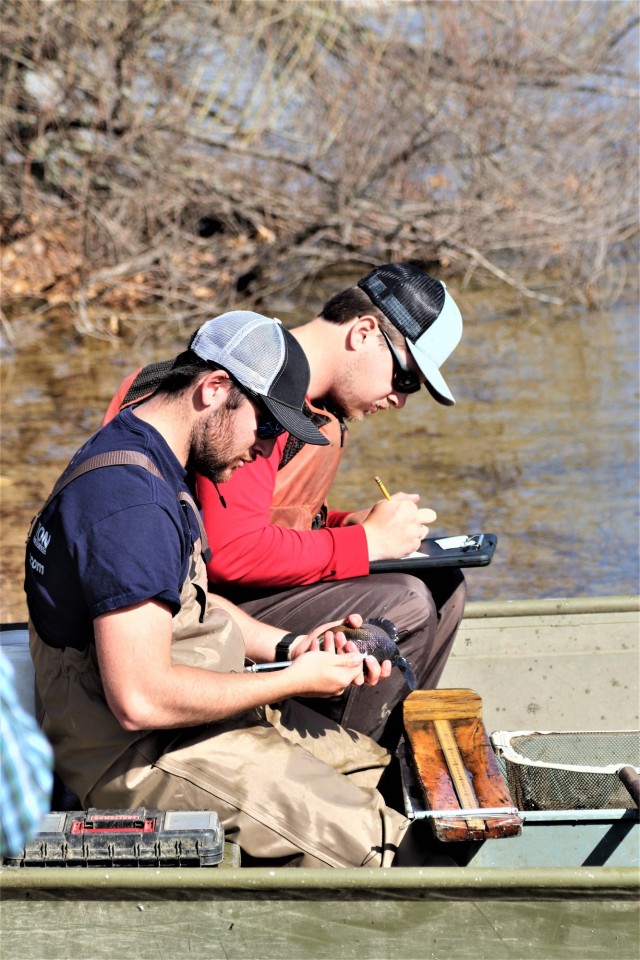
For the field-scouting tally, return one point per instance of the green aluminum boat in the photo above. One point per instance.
(566, 887)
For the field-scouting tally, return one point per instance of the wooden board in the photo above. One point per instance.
(456, 765)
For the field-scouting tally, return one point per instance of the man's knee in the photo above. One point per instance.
(448, 587)
(408, 602)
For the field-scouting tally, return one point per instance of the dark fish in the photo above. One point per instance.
(378, 638)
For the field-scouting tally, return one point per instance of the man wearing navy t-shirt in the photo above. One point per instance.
(142, 674)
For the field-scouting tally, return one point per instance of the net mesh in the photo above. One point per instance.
(567, 771)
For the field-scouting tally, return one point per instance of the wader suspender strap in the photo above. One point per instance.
(185, 497)
(118, 458)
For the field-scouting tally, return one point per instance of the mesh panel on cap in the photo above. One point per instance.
(251, 347)
(410, 298)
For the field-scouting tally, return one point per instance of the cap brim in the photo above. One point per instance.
(436, 384)
(295, 422)
(435, 345)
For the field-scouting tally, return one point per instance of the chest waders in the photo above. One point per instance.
(288, 784)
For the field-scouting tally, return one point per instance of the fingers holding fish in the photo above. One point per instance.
(326, 637)
(329, 641)
(378, 637)
(373, 671)
(373, 642)
(320, 675)
(330, 637)
(335, 641)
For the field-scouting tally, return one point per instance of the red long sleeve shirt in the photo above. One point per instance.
(249, 550)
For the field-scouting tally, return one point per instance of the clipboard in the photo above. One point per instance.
(472, 550)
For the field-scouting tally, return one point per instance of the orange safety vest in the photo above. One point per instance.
(305, 474)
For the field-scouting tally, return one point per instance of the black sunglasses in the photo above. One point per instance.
(268, 428)
(404, 380)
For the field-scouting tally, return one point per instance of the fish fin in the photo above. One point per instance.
(387, 625)
(407, 671)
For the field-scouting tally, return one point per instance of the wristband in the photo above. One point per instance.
(282, 646)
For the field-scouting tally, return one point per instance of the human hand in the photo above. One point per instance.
(326, 637)
(358, 517)
(321, 673)
(426, 516)
(396, 527)
(334, 641)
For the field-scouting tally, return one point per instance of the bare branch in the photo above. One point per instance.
(194, 154)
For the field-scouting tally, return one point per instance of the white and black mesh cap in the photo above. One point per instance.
(265, 359)
(424, 312)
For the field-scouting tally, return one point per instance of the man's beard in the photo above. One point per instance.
(343, 400)
(213, 453)
(343, 407)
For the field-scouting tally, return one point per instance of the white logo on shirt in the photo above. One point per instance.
(42, 539)
(35, 564)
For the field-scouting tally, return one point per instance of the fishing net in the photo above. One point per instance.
(573, 770)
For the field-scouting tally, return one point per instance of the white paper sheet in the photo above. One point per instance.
(446, 543)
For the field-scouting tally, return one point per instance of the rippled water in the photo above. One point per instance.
(541, 448)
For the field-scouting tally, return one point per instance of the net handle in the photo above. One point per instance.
(631, 780)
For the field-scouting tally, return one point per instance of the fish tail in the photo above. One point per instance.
(407, 672)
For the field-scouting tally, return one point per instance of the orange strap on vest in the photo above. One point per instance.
(303, 480)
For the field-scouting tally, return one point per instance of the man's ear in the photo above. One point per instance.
(213, 390)
(361, 332)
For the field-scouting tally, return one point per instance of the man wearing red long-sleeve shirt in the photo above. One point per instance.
(280, 554)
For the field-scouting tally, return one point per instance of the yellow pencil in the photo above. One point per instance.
(385, 492)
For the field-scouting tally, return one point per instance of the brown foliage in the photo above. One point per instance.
(200, 155)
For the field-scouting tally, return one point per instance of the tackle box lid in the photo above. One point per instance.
(137, 837)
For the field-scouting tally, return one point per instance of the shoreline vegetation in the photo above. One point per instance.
(187, 158)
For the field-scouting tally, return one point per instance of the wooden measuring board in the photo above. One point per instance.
(456, 766)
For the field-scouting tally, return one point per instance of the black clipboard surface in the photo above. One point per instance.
(474, 550)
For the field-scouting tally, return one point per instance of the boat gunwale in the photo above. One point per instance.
(548, 607)
(555, 881)
(486, 609)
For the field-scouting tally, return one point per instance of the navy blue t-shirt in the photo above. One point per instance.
(114, 537)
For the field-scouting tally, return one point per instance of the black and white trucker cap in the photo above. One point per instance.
(266, 360)
(424, 312)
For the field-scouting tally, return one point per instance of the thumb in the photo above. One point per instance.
(351, 659)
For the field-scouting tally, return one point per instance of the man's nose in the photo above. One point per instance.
(264, 448)
(397, 400)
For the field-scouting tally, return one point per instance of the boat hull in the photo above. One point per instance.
(443, 913)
